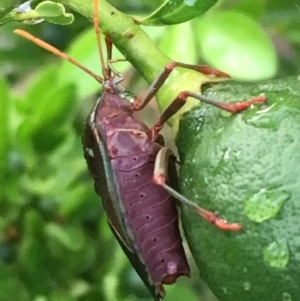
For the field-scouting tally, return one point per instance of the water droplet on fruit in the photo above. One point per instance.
(276, 254)
(286, 297)
(219, 131)
(265, 204)
(247, 286)
(269, 118)
(264, 121)
(226, 155)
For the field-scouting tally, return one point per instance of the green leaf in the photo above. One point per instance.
(177, 11)
(33, 99)
(236, 44)
(54, 12)
(43, 110)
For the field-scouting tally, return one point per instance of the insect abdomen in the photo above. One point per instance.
(152, 216)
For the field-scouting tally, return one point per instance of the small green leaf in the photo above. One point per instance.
(47, 10)
(54, 13)
(236, 44)
(177, 11)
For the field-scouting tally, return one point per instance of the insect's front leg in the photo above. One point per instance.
(160, 178)
(164, 74)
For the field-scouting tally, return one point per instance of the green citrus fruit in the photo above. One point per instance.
(246, 167)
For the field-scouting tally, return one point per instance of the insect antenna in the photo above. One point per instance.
(26, 35)
(105, 71)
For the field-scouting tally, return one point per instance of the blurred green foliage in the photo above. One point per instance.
(54, 241)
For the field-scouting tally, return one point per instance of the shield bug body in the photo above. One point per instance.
(135, 174)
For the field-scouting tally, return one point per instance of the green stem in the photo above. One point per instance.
(19, 17)
(8, 5)
(139, 50)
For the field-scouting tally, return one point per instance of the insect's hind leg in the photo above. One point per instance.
(160, 178)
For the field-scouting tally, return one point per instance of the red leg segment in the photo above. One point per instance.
(160, 174)
(180, 100)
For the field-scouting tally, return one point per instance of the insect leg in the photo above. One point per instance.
(109, 45)
(181, 98)
(200, 68)
(110, 63)
(161, 78)
(160, 178)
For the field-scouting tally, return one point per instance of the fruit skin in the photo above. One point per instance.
(225, 161)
